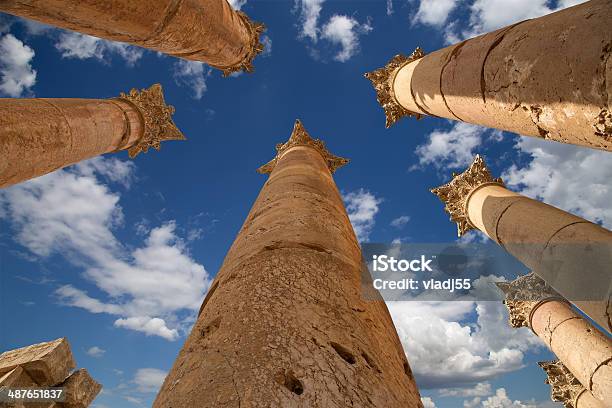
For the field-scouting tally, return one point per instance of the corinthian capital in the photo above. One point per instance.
(300, 137)
(523, 294)
(156, 117)
(254, 47)
(564, 387)
(382, 80)
(455, 193)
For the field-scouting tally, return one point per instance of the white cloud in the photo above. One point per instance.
(400, 221)
(133, 400)
(344, 31)
(434, 12)
(389, 7)
(149, 380)
(362, 207)
(452, 148)
(499, 400)
(481, 389)
(149, 326)
(473, 236)
(95, 351)
(35, 28)
(112, 169)
(237, 4)
(82, 46)
(489, 15)
(76, 297)
(16, 73)
(154, 288)
(267, 44)
(428, 402)
(572, 178)
(339, 30)
(445, 350)
(310, 10)
(192, 74)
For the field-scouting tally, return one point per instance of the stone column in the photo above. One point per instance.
(548, 77)
(284, 323)
(208, 31)
(582, 349)
(565, 388)
(571, 254)
(38, 136)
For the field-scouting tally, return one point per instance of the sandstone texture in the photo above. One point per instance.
(569, 253)
(43, 365)
(38, 136)
(46, 363)
(284, 323)
(550, 77)
(209, 31)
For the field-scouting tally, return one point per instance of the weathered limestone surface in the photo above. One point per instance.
(571, 254)
(46, 363)
(17, 377)
(284, 323)
(81, 389)
(209, 31)
(565, 388)
(583, 350)
(550, 77)
(38, 136)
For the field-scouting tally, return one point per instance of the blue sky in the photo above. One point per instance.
(116, 254)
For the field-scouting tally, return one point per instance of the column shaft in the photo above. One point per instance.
(584, 350)
(571, 254)
(548, 77)
(584, 353)
(200, 30)
(38, 136)
(284, 323)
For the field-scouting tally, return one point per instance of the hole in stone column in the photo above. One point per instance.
(290, 381)
(211, 328)
(370, 361)
(344, 353)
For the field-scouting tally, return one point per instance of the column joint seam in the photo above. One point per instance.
(126, 135)
(61, 112)
(171, 12)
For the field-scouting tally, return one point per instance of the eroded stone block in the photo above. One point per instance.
(47, 363)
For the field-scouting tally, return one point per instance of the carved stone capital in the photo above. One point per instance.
(156, 116)
(456, 192)
(522, 295)
(300, 137)
(382, 80)
(255, 46)
(565, 388)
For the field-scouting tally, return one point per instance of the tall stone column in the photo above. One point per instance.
(571, 254)
(208, 31)
(548, 77)
(284, 323)
(581, 348)
(38, 136)
(565, 388)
